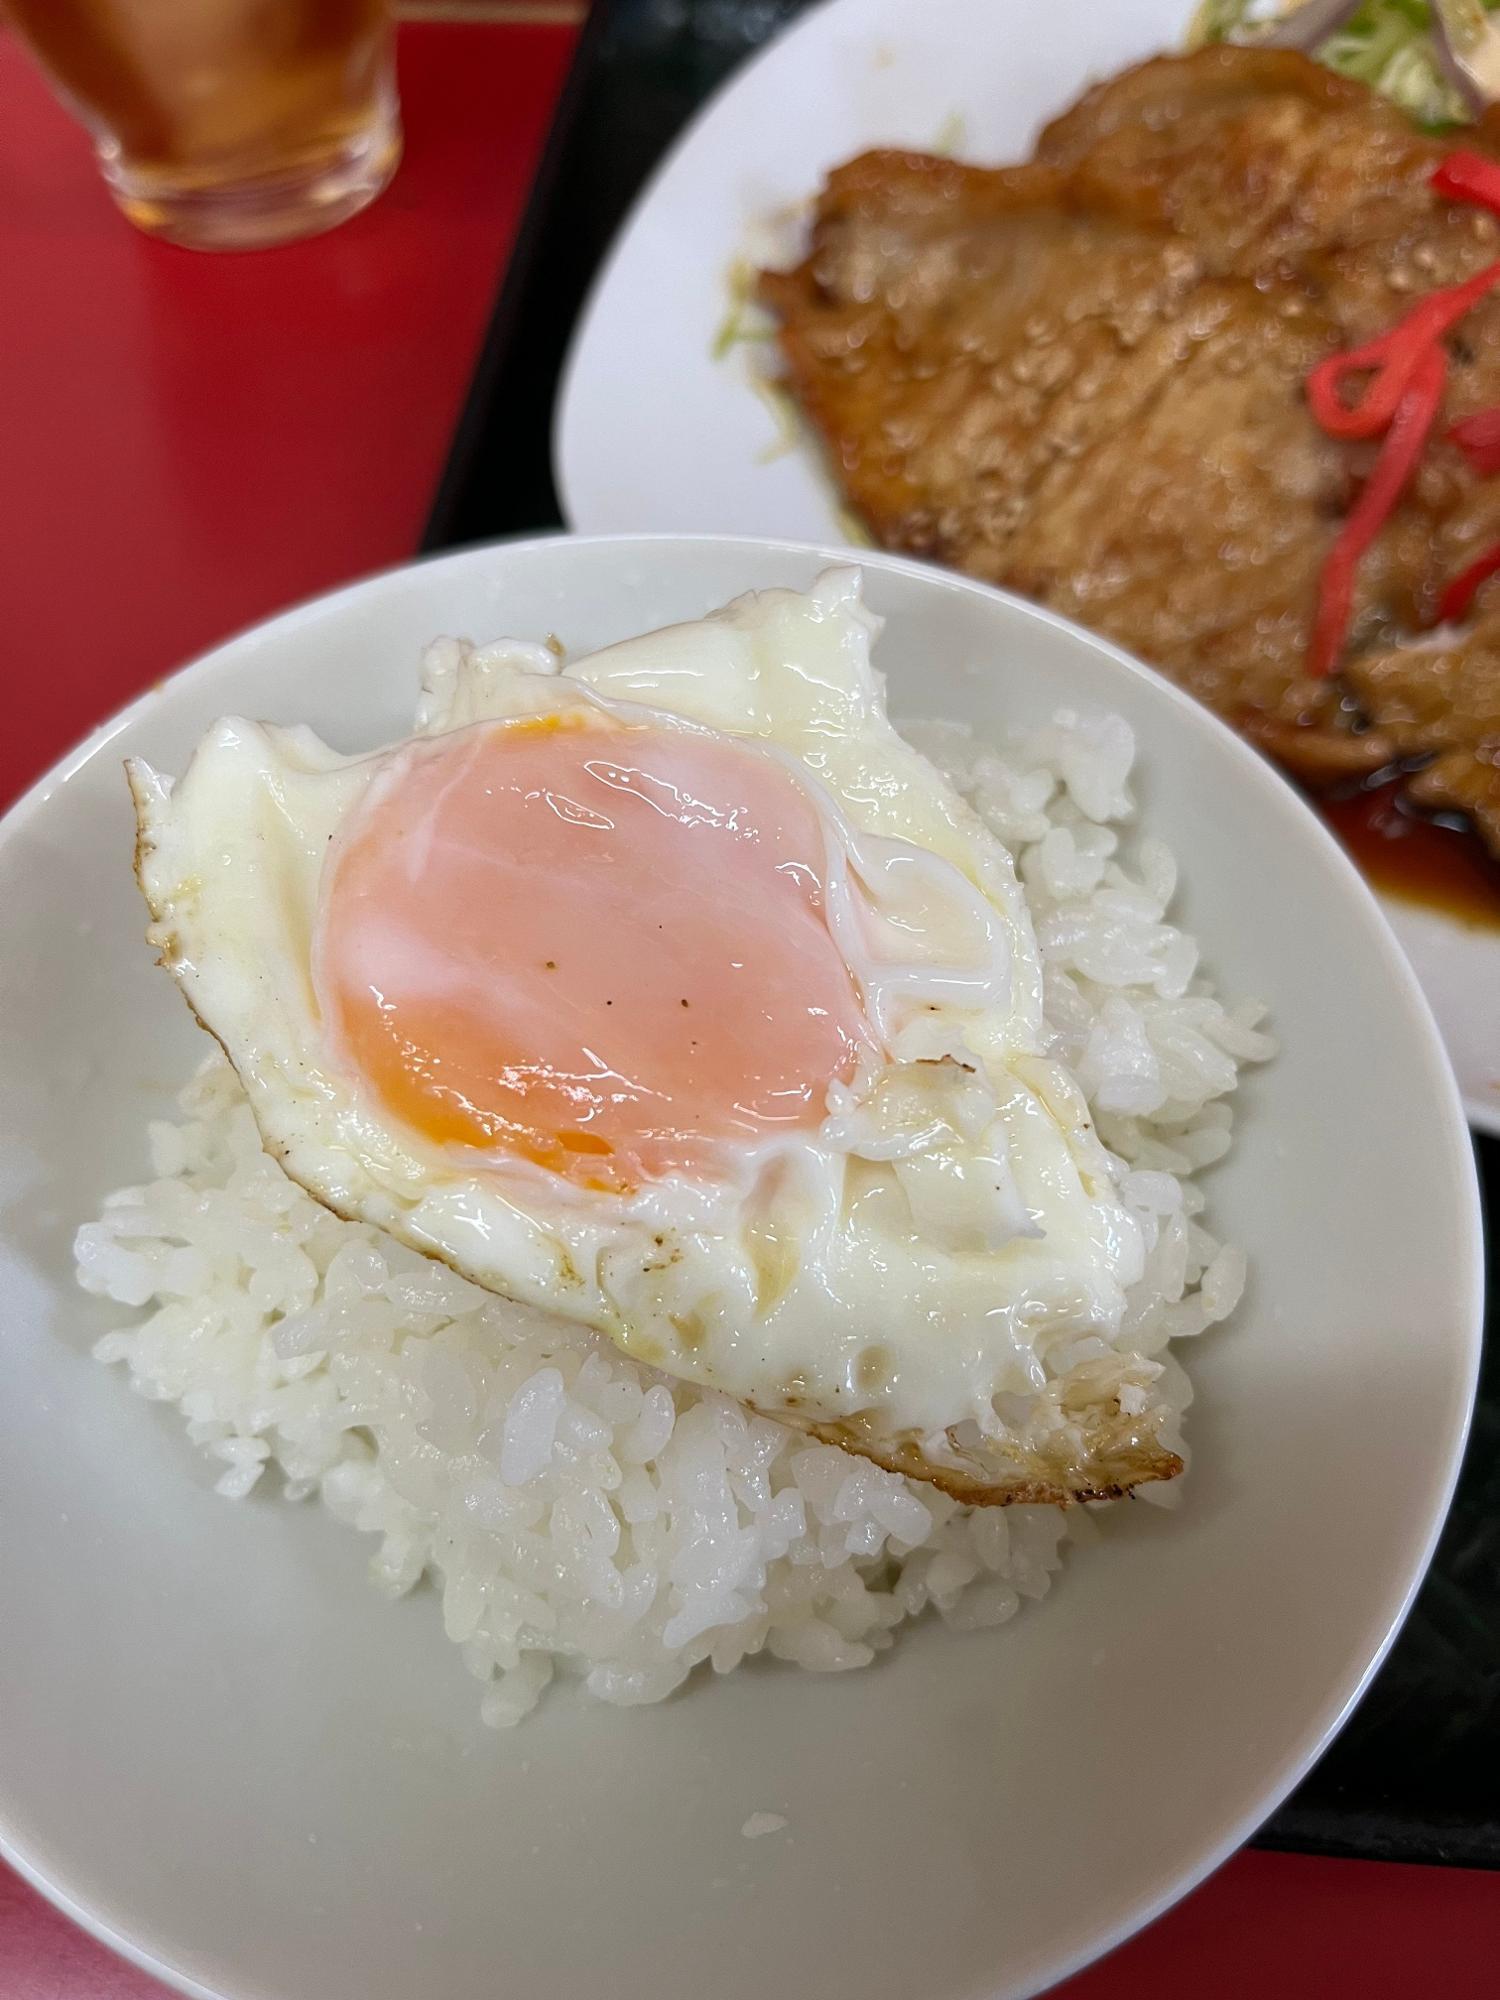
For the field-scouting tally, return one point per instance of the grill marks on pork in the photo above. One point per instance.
(1082, 378)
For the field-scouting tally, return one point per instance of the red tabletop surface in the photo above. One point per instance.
(188, 443)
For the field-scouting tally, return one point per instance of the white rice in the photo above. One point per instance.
(578, 1511)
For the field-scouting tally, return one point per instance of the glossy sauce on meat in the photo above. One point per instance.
(1083, 378)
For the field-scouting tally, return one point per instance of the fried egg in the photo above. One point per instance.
(672, 991)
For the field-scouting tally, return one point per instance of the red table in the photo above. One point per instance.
(189, 443)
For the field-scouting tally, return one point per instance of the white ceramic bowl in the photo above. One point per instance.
(234, 1761)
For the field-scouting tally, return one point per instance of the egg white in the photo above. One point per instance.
(886, 1276)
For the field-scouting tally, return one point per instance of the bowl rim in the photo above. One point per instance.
(1176, 1881)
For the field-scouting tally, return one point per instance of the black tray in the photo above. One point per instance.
(1410, 1778)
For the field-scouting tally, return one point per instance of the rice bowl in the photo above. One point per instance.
(328, 1814)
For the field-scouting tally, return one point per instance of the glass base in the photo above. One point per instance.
(269, 208)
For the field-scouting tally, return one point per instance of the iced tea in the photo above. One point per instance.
(228, 123)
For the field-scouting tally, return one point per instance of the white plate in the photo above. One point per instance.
(233, 1760)
(653, 433)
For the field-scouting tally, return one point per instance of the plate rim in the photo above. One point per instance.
(1318, 1730)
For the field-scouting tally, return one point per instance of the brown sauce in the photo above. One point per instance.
(1405, 852)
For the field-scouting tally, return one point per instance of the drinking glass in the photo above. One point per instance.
(227, 124)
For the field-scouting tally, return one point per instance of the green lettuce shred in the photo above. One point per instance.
(1387, 44)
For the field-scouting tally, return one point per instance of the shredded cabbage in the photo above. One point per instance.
(1387, 44)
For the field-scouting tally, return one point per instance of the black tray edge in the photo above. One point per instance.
(513, 308)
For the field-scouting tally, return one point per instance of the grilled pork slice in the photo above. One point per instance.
(1082, 378)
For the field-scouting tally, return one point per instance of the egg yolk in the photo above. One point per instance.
(601, 948)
